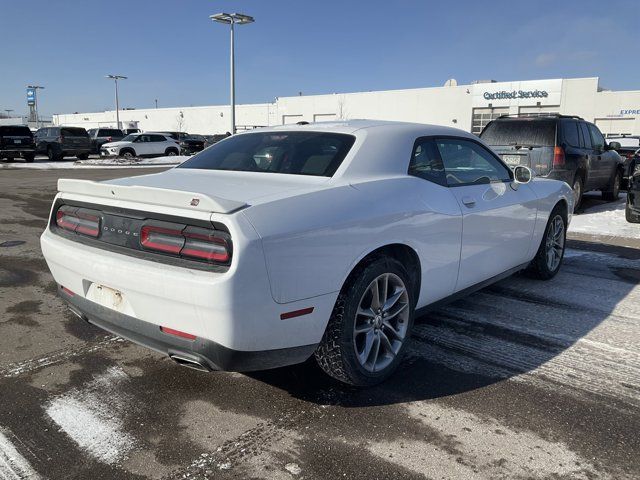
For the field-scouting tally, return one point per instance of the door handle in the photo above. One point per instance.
(469, 201)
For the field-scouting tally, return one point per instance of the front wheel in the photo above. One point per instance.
(370, 325)
(128, 154)
(548, 259)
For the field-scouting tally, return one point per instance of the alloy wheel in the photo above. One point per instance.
(381, 322)
(555, 243)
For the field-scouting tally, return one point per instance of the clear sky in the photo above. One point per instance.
(171, 51)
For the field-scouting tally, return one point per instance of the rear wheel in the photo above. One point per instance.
(578, 190)
(171, 152)
(83, 156)
(28, 157)
(370, 325)
(613, 191)
(549, 257)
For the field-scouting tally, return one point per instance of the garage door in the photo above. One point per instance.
(615, 126)
(290, 119)
(324, 117)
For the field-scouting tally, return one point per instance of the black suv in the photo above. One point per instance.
(100, 136)
(59, 142)
(632, 211)
(16, 141)
(559, 147)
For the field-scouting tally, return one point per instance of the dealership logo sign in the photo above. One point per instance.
(515, 94)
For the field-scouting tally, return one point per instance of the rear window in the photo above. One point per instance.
(73, 132)
(11, 131)
(296, 153)
(109, 132)
(530, 133)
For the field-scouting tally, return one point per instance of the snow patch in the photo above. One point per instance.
(90, 416)
(115, 162)
(13, 466)
(605, 220)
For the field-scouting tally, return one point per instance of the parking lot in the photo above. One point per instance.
(523, 379)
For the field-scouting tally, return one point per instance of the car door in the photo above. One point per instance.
(603, 161)
(143, 145)
(438, 225)
(498, 216)
(160, 144)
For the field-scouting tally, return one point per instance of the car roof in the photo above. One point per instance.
(353, 126)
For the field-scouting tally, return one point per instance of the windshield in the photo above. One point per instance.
(532, 133)
(296, 153)
(130, 138)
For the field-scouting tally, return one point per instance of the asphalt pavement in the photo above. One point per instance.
(524, 379)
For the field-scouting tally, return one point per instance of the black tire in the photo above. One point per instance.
(336, 354)
(578, 191)
(539, 267)
(171, 152)
(127, 153)
(629, 214)
(53, 155)
(612, 192)
(82, 156)
(29, 157)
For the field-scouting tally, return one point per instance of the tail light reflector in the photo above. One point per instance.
(558, 157)
(177, 333)
(78, 220)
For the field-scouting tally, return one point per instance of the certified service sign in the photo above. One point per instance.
(527, 93)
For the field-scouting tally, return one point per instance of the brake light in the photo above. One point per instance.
(109, 139)
(558, 157)
(177, 333)
(78, 220)
(161, 239)
(191, 242)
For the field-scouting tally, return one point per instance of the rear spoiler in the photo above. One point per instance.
(150, 195)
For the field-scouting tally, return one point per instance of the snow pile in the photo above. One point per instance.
(605, 220)
(174, 160)
(13, 466)
(115, 162)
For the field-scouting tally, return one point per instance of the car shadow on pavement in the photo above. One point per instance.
(517, 327)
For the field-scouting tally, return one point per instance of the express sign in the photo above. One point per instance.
(515, 94)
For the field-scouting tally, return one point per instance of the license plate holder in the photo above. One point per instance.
(110, 298)
(512, 159)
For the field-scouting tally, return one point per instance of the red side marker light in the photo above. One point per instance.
(296, 313)
(177, 333)
(67, 291)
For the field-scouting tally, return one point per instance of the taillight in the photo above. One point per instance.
(109, 139)
(78, 220)
(193, 243)
(558, 157)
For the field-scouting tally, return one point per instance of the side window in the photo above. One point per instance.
(157, 138)
(468, 163)
(596, 137)
(586, 137)
(426, 163)
(570, 133)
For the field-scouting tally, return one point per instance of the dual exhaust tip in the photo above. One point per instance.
(190, 362)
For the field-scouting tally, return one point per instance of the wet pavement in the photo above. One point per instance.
(524, 379)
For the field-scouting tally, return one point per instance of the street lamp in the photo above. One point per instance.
(232, 19)
(115, 78)
(35, 101)
(8, 110)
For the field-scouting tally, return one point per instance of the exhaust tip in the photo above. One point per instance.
(190, 362)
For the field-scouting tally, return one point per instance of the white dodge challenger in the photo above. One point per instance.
(321, 240)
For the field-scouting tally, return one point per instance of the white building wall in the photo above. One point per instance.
(613, 112)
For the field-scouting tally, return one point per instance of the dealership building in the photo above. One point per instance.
(469, 107)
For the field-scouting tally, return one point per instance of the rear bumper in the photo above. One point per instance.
(201, 351)
(17, 152)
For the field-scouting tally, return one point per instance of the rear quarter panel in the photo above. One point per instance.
(549, 193)
(313, 241)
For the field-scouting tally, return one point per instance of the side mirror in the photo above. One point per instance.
(522, 174)
(614, 145)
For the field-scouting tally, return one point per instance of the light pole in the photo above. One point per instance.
(232, 19)
(115, 78)
(8, 110)
(35, 101)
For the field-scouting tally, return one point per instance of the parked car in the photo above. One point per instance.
(147, 144)
(629, 147)
(211, 139)
(192, 144)
(632, 210)
(60, 142)
(559, 147)
(16, 141)
(327, 250)
(176, 135)
(100, 136)
(129, 131)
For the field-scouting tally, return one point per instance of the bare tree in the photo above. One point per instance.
(342, 113)
(180, 122)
